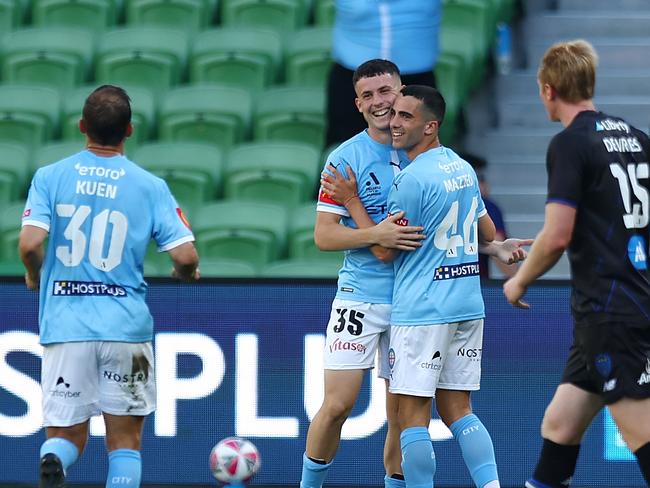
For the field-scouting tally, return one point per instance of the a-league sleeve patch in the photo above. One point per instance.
(325, 198)
(181, 216)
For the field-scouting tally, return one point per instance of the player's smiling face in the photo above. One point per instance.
(407, 122)
(375, 97)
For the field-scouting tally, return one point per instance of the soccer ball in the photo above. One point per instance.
(234, 460)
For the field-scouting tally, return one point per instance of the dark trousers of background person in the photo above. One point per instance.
(343, 118)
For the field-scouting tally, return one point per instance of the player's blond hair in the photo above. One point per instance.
(570, 68)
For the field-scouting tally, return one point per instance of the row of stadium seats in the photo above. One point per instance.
(253, 232)
(281, 172)
(194, 15)
(213, 114)
(159, 58)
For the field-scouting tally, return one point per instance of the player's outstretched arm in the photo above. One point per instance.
(509, 251)
(186, 262)
(550, 243)
(30, 248)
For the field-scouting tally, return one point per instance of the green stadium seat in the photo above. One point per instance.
(29, 115)
(308, 57)
(291, 114)
(55, 56)
(188, 15)
(53, 152)
(94, 15)
(301, 268)
(10, 221)
(241, 57)
(226, 268)
(193, 171)
(465, 30)
(454, 42)
(324, 13)
(10, 14)
(14, 172)
(143, 114)
(280, 15)
(280, 172)
(249, 231)
(301, 236)
(211, 114)
(449, 72)
(150, 57)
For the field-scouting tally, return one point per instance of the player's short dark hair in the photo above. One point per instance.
(374, 67)
(107, 114)
(430, 98)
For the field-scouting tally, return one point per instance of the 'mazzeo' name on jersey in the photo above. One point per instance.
(456, 182)
(99, 188)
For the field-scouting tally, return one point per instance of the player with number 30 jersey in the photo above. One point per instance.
(100, 214)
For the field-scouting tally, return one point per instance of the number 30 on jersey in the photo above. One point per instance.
(71, 255)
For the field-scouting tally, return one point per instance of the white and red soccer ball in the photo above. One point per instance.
(234, 460)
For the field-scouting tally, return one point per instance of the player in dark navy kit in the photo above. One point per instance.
(598, 209)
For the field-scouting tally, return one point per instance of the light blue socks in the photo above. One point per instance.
(65, 450)
(124, 469)
(418, 458)
(478, 452)
(313, 473)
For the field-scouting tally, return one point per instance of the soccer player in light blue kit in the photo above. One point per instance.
(360, 319)
(99, 211)
(437, 314)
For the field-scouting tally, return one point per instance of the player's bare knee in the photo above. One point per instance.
(559, 429)
(337, 409)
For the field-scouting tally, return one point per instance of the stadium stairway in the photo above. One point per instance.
(515, 134)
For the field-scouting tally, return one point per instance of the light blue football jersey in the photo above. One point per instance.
(101, 214)
(439, 282)
(363, 277)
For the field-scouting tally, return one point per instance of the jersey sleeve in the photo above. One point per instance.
(171, 228)
(565, 166)
(325, 202)
(406, 196)
(38, 211)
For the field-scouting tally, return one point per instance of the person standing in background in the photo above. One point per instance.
(494, 211)
(402, 31)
